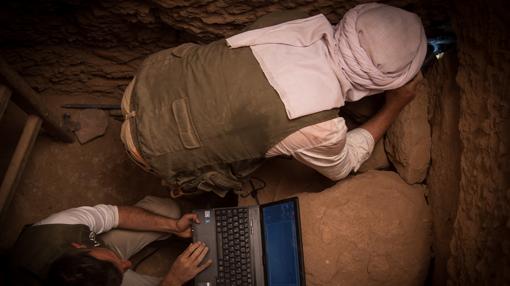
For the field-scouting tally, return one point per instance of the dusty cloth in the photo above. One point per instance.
(326, 147)
(101, 219)
(314, 67)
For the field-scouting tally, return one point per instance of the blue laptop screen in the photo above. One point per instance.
(281, 244)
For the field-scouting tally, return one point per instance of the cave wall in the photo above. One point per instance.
(75, 47)
(444, 172)
(480, 244)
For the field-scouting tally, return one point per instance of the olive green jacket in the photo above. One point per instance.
(205, 115)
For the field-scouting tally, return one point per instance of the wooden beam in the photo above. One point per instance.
(5, 95)
(30, 101)
(18, 162)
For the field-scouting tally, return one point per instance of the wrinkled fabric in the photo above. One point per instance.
(316, 67)
(328, 148)
(379, 48)
(100, 218)
(203, 117)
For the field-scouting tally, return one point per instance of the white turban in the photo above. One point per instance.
(379, 47)
(314, 67)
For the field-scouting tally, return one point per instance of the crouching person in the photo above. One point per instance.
(204, 117)
(92, 246)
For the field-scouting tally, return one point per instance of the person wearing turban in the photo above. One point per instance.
(271, 91)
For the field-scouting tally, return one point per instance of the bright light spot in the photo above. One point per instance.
(439, 56)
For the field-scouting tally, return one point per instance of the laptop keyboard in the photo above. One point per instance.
(233, 237)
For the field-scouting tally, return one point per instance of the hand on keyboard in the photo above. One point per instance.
(187, 265)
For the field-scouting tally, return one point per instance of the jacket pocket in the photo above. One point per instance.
(187, 131)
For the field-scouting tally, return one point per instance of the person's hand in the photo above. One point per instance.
(400, 97)
(187, 265)
(183, 225)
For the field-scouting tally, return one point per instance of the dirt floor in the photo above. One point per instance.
(59, 176)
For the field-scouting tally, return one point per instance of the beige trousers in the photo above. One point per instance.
(127, 243)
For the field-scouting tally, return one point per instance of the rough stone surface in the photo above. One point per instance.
(74, 47)
(407, 141)
(444, 175)
(371, 229)
(481, 237)
(378, 160)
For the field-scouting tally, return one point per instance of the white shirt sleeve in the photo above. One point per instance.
(328, 148)
(99, 219)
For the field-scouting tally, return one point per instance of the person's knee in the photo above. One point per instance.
(161, 206)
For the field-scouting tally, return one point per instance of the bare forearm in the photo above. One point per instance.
(378, 124)
(396, 100)
(135, 218)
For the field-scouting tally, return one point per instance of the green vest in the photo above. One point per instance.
(206, 115)
(38, 246)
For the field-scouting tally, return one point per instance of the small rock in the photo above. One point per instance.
(93, 123)
(408, 140)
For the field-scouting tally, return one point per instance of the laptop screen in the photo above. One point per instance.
(281, 243)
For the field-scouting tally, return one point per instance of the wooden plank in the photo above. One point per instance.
(31, 102)
(18, 162)
(5, 95)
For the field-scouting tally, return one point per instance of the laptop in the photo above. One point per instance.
(252, 246)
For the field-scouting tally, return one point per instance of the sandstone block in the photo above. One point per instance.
(408, 139)
(370, 229)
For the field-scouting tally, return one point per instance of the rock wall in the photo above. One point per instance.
(407, 141)
(77, 47)
(74, 48)
(481, 237)
(444, 174)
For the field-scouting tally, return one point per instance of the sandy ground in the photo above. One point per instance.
(59, 176)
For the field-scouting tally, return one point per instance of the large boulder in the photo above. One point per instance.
(370, 229)
(408, 139)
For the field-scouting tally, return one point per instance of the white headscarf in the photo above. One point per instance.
(379, 47)
(314, 67)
